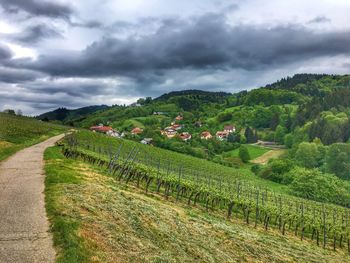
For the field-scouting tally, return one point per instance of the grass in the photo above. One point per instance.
(18, 132)
(96, 220)
(254, 151)
(272, 154)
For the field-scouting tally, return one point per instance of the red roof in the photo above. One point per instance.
(229, 128)
(222, 133)
(101, 128)
(206, 134)
(185, 136)
(179, 118)
(137, 130)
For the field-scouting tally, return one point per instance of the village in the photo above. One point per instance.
(174, 130)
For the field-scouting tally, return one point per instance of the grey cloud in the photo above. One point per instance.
(87, 24)
(206, 42)
(38, 8)
(5, 52)
(9, 75)
(36, 33)
(319, 19)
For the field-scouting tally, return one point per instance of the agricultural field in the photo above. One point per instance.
(17, 132)
(98, 219)
(225, 190)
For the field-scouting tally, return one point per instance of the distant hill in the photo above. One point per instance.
(291, 82)
(67, 115)
(195, 93)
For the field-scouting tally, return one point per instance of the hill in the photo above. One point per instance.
(308, 115)
(18, 132)
(69, 116)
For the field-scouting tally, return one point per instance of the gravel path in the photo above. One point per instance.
(24, 226)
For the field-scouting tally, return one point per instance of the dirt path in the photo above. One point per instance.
(263, 159)
(24, 226)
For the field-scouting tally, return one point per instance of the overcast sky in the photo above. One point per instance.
(78, 53)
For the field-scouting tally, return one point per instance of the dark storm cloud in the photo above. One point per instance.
(34, 34)
(76, 88)
(9, 75)
(206, 42)
(38, 8)
(5, 52)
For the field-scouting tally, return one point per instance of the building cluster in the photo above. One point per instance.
(170, 132)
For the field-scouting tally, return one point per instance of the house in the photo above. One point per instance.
(176, 127)
(159, 113)
(136, 131)
(206, 135)
(100, 128)
(113, 133)
(179, 118)
(169, 132)
(185, 136)
(147, 141)
(222, 135)
(229, 128)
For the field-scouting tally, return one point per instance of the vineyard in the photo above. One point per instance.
(214, 187)
(17, 132)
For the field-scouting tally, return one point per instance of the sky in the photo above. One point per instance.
(58, 53)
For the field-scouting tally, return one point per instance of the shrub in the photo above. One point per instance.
(312, 184)
(244, 154)
(277, 169)
(256, 169)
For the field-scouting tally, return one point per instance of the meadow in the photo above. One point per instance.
(18, 132)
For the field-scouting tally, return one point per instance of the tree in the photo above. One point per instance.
(279, 134)
(338, 160)
(244, 154)
(307, 155)
(10, 111)
(250, 136)
(288, 140)
(312, 184)
(274, 121)
(19, 112)
(234, 137)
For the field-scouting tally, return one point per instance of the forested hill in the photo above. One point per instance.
(66, 115)
(291, 82)
(199, 94)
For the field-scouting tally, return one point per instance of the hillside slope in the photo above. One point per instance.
(96, 219)
(17, 132)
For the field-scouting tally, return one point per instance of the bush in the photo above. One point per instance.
(277, 171)
(256, 169)
(244, 154)
(312, 184)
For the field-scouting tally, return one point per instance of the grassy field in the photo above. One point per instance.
(96, 219)
(18, 132)
(254, 151)
(264, 158)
